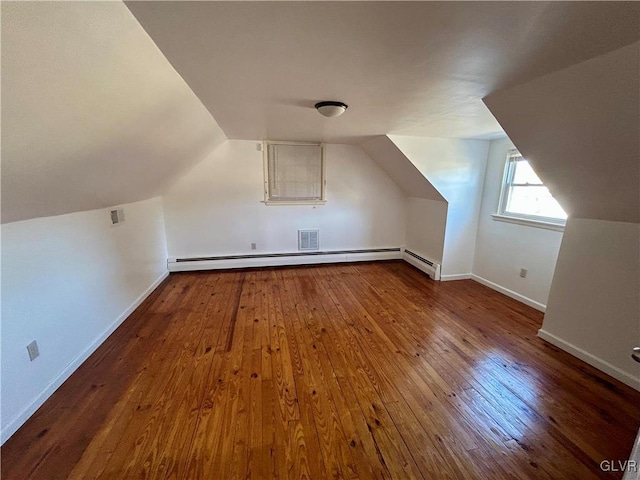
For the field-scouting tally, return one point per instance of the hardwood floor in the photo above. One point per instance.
(344, 371)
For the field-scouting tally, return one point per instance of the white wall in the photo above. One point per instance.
(455, 168)
(426, 223)
(503, 248)
(216, 208)
(594, 303)
(67, 282)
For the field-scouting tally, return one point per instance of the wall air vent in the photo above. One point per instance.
(308, 240)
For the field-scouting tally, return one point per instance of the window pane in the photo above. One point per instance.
(534, 200)
(525, 174)
(295, 172)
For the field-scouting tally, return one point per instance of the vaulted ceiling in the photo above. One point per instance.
(408, 68)
(101, 107)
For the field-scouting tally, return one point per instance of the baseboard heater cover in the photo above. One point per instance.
(429, 267)
(278, 259)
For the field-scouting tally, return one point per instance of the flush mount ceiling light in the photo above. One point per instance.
(331, 108)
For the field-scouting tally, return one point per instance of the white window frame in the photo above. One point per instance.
(323, 179)
(550, 223)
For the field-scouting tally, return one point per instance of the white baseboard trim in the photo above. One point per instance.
(510, 293)
(16, 422)
(455, 276)
(606, 367)
(281, 260)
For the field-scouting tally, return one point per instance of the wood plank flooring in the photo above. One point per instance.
(355, 371)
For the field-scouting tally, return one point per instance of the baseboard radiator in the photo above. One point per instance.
(282, 259)
(429, 267)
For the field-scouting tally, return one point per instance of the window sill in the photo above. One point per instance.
(557, 227)
(286, 202)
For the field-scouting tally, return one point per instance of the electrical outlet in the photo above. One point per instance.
(523, 272)
(253, 246)
(32, 348)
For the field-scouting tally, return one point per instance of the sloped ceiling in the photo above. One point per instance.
(390, 158)
(455, 167)
(407, 68)
(580, 128)
(93, 115)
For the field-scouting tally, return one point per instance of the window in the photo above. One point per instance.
(294, 173)
(524, 197)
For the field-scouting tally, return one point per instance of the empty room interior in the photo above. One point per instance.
(390, 240)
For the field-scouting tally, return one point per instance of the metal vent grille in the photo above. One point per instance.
(422, 259)
(308, 239)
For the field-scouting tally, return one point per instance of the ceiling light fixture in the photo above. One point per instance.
(331, 108)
